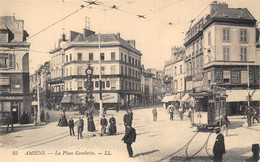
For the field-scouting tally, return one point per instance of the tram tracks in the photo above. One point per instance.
(186, 146)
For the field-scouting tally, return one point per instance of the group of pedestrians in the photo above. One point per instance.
(251, 115)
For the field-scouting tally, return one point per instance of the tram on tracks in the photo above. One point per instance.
(209, 108)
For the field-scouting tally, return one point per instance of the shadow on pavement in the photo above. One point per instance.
(142, 133)
(146, 153)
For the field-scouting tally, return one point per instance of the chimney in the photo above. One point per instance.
(131, 42)
(214, 6)
(118, 35)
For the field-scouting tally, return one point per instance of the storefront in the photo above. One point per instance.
(15, 105)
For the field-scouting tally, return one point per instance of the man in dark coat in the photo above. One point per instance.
(112, 127)
(219, 147)
(103, 123)
(10, 121)
(154, 114)
(127, 119)
(71, 126)
(129, 138)
(131, 115)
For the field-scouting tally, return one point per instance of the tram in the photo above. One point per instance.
(210, 108)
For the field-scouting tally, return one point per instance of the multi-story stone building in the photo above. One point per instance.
(14, 69)
(120, 68)
(152, 86)
(44, 88)
(175, 73)
(223, 45)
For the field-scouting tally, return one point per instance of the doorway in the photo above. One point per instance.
(14, 111)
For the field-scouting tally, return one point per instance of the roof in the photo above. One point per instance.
(3, 27)
(233, 13)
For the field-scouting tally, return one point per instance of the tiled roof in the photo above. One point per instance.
(233, 13)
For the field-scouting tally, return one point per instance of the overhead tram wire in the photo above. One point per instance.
(82, 6)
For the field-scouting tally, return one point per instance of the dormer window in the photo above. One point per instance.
(4, 35)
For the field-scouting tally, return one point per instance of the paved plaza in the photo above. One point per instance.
(163, 140)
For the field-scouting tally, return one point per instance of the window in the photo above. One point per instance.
(225, 53)
(125, 70)
(70, 70)
(133, 61)
(122, 70)
(226, 34)
(226, 76)
(79, 56)
(243, 54)
(125, 58)
(129, 85)
(122, 57)
(67, 72)
(129, 59)
(90, 56)
(79, 85)
(176, 85)
(113, 84)
(126, 85)
(243, 35)
(79, 70)
(139, 63)
(129, 72)
(180, 69)
(113, 56)
(175, 71)
(96, 84)
(112, 69)
(108, 84)
(67, 59)
(181, 84)
(7, 61)
(102, 56)
(70, 85)
(209, 38)
(70, 57)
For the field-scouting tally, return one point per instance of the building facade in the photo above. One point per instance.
(223, 45)
(120, 68)
(14, 69)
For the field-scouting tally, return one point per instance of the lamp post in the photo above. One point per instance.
(38, 99)
(100, 81)
(89, 87)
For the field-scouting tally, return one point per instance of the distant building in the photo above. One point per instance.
(152, 86)
(120, 68)
(14, 69)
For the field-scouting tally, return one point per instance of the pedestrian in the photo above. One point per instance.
(112, 126)
(249, 116)
(42, 117)
(181, 113)
(103, 123)
(35, 119)
(82, 125)
(47, 117)
(129, 138)
(226, 123)
(255, 116)
(219, 146)
(255, 156)
(71, 126)
(91, 125)
(79, 125)
(171, 113)
(127, 120)
(10, 121)
(154, 114)
(190, 115)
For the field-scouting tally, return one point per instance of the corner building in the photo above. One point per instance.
(14, 69)
(120, 68)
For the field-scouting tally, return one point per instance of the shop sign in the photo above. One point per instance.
(106, 97)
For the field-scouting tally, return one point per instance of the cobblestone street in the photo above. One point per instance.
(156, 141)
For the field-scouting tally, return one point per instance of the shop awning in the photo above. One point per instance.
(242, 95)
(171, 98)
(255, 95)
(185, 97)
(66, 99)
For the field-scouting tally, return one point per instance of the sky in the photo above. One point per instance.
(153, 34)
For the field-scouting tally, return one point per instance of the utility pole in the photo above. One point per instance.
(248, 86)
(38, 99)
(100, 81)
